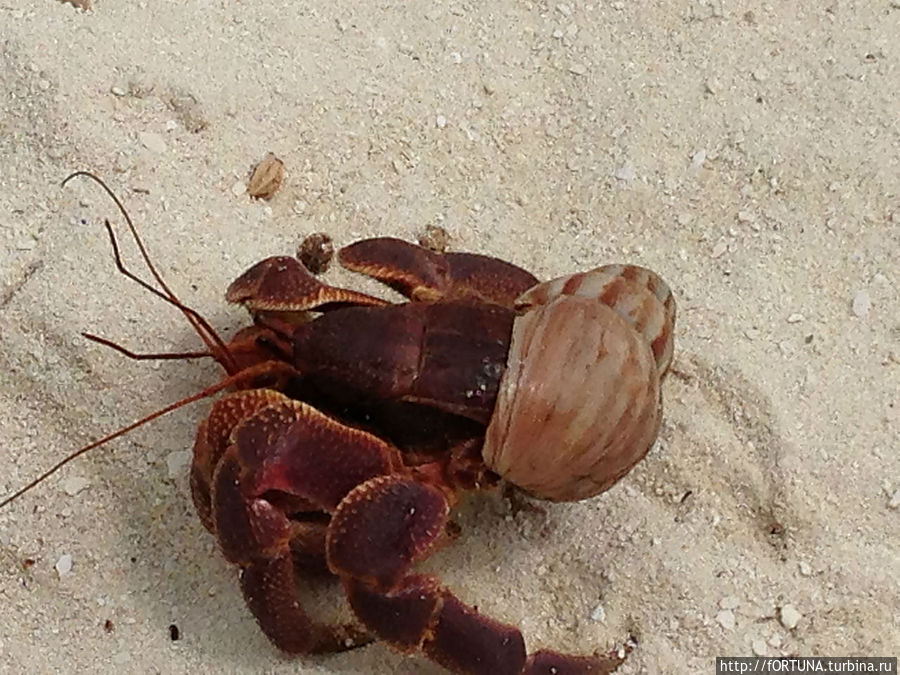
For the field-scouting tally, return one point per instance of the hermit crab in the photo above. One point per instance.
(386, 412)
(353, 425)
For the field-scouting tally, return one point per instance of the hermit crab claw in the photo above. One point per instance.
(579, 404)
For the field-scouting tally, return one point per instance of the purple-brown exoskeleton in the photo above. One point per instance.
(377, 416)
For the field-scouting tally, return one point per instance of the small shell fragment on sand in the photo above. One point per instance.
(72, 486)
(152, 141)
(599, 614)
(861, 303)
(789, 617)
(725, 618)
(266, 178)
(64, 565)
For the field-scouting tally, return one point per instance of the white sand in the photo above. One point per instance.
(748, 153)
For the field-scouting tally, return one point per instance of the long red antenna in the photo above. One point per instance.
(216, 346)
(267, 368)
(211, 339)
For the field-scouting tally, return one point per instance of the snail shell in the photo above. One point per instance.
(579, 403)
(638, 294)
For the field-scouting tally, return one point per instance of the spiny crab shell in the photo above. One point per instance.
(579, 404)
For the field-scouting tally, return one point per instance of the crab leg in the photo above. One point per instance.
(377, 532)
(271, 457)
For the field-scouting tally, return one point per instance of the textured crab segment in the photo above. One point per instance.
(636, 293)
(269, 588)
(382, 527)
(212, 440)
(421, 614)
(424, 275)
(465, 641)
(449, 355)
(282, 456)
(282, 284)
(292, 448)
(401, 617)
(256, 535)
(572, 442)
(552, 663)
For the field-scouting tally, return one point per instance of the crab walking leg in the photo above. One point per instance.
(281, 458)
(378, 531)
(424, 275)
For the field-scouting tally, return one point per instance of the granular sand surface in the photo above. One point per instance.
(749, 152)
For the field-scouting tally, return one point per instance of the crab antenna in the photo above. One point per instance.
(217, 348)
(173, 356)
(265, 368)
(209, 336)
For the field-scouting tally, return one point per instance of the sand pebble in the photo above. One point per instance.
(599, 614)
(725, 618)
(238, 188)
(121, 658)
(440, 121)
(795, 318)
(730, 602)
(805, 569)
(151, 141)
(698, 158)
(72, 486)
(116, 90)
(64, 565)
(789, 617)
(578, 69)
(861, 303)
(894, 503)
(176, 462)
(759, 647)
(625, 173)
(719, 249)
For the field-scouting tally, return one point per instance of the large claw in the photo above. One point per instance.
(424, 275)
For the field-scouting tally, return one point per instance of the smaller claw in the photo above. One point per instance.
(282, 284)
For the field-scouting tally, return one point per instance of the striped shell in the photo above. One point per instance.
(579, 403)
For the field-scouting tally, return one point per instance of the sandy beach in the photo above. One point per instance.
(748, 152)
